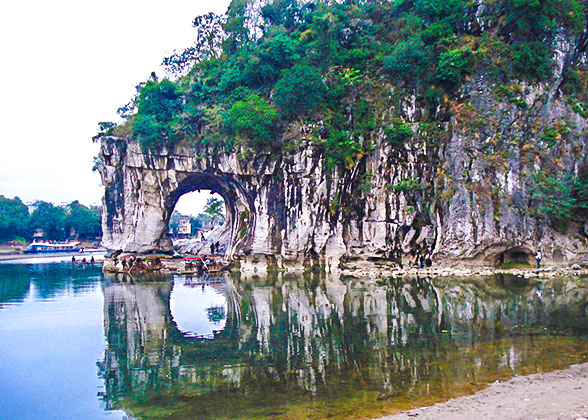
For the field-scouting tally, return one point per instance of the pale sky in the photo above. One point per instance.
(66, 65)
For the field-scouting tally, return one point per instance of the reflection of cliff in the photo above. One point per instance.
(303, 335)
(135, 320)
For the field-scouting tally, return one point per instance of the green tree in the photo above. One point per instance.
(14, 216)
(235, 26)
(398, 133)
(195, 224)
(215, 208)
(452, 67)
(82, 221)
(560, 197)
(207, 44)
(408, 61)
(286, 13)
(174, 222)
(158, 106)
(531, 60)
(300, 91)
(48, 218)
(255, 121)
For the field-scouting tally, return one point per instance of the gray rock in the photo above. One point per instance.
(458, 197)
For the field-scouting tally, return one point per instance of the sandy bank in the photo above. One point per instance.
(561, 395)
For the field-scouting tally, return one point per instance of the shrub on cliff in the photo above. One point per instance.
(452, 68)
(254, 122)
(300, 91)
(158, 106)
(560, 197)
(408, 61)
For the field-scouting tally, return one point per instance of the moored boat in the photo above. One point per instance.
(45, 247)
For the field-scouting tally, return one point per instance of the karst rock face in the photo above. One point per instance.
(462, 196)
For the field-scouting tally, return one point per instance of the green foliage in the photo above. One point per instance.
(158, 105)
(350, 77)
(82, 221)
(174, 222)
(57, 222)
(512, 92)
(237, 32)
(409, 60)
(319, 61)
(215, 208)
(195, 224)
(286, 13)
(398, 133)
(560, 197)
(342, 149)
(540, 18)
(48, 218)
(160, 99)
(105, 128)
(366, 182)
(207, 44)
(407, 184)
(452, 67)
(278, 51)
(334, 205)
(255, 122)
(449, 12)
(14, 215)
(512, 265)
(552, 134)
(580, 108)
(531, 60)
(300, 91)
(528, 28)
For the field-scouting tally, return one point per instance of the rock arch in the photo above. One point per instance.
(142, 189)
(292, 210)
(284, 210)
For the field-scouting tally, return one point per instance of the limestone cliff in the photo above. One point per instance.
(459, 191)
(465, 203)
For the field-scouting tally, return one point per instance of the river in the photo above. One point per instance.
(76, 344)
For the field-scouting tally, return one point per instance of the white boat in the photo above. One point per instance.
(45, 247)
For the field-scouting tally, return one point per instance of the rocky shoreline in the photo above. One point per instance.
(466, 271)
(167, 265)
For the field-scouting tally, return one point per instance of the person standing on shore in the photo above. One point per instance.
(538, 258)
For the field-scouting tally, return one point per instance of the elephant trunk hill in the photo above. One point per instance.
(490, 172)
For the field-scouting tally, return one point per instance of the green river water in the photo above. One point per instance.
(78, 345)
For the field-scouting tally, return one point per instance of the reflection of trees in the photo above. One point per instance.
(14, 283)
(49, 280)
(326, 337)
(215, 314)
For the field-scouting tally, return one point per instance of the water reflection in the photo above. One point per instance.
(47, 281)
(51, 335)
(290, 347)
(199, 306)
